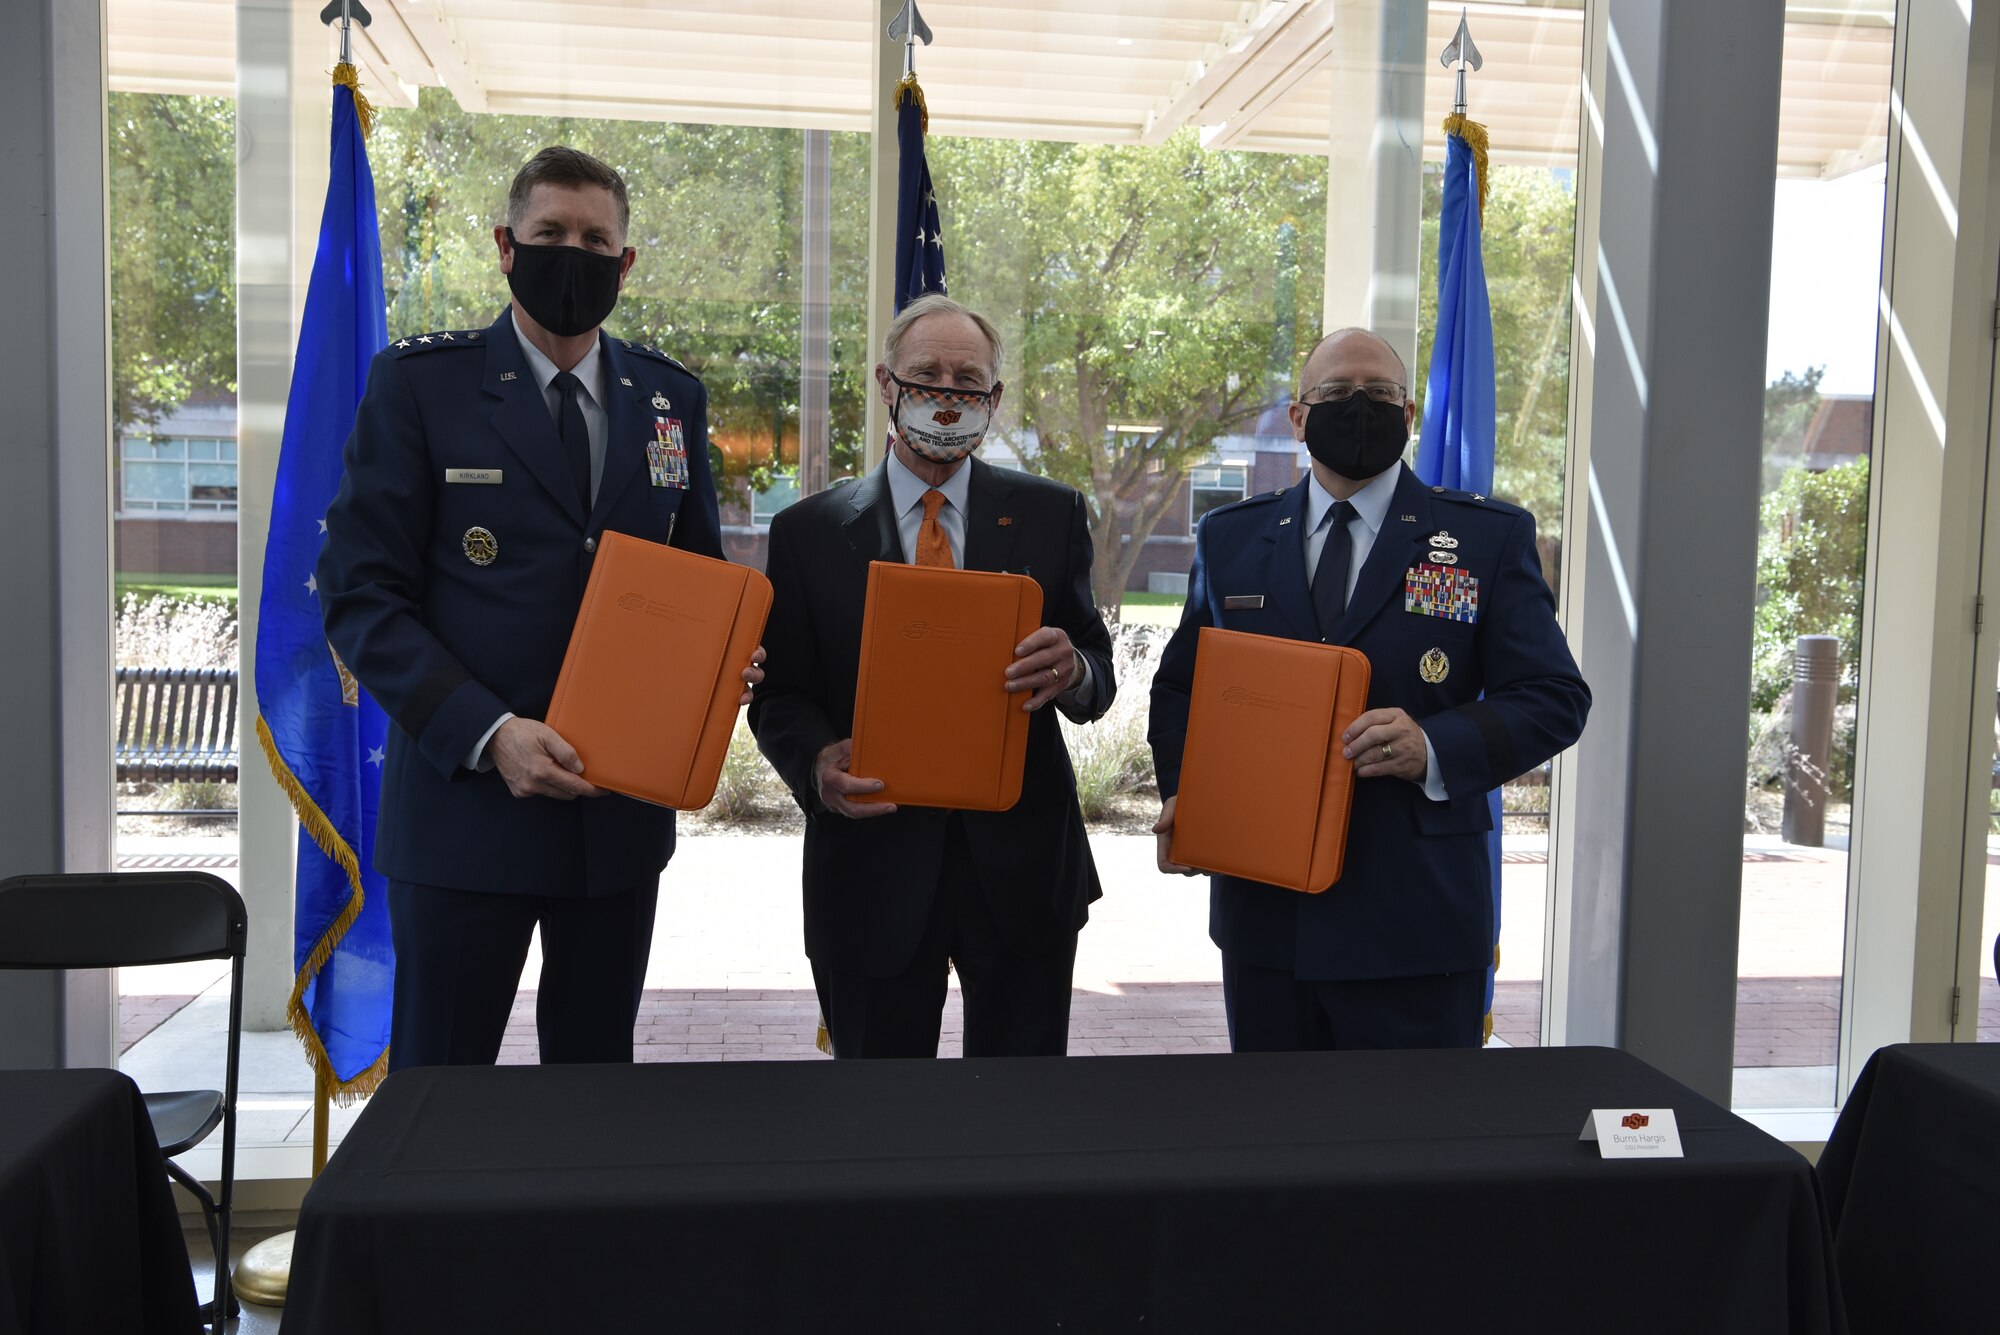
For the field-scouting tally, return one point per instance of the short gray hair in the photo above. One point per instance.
(560, 165)
(935, 303)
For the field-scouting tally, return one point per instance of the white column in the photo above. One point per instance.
(1925, 728)
(887, 64)
(1374, 187)
(1666, 530)
(283, 116)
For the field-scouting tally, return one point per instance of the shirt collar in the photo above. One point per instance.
(1371, 503)
(590, 370)
(906, 489)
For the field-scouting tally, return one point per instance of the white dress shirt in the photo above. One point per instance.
(595, 424)
(1371, 508)
(906, 494)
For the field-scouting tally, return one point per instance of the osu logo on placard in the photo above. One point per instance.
(1635, 1121)
(946, 416)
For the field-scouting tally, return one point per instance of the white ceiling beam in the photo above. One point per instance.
(1237, 46)
(432, 30)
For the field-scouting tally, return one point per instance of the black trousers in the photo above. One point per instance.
(458, 965)
(1016, 1005)
(1271, 1010)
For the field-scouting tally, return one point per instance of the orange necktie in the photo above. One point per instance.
(933, 548)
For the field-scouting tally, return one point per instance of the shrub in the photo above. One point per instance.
(1110, 756)
(175, 632)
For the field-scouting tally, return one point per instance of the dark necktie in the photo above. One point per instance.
(1330, 575)
(575, 435)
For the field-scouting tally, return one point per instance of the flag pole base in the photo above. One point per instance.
(265, 1271)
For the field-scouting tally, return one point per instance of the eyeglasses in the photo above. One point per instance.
(1339, 391)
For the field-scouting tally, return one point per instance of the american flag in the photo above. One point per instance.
(919, 237)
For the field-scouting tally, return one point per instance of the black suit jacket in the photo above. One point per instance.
(870, 884)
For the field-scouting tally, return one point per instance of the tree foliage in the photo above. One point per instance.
(1810, 550)
(1527, 241)
(173, 253)
(1148, 298)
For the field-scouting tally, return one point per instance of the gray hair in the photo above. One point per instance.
(935, 303)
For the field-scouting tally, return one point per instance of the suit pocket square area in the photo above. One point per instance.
(1241, 602)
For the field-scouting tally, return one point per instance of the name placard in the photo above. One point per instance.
(1634, 1133)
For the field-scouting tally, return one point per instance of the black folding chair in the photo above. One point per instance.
(106, 921)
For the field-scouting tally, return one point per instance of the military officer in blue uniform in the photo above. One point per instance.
(1471, 684)
(484, 468)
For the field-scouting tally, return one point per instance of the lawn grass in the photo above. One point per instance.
(220, 587)
(1155, 599)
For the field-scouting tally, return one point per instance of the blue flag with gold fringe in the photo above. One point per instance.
(1456, 449)
(322, 734)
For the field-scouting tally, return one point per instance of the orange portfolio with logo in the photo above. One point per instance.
(932, 716)
(1265, 793)
(649, 688)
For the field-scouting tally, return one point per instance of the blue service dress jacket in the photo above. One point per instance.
(455, 559)
(1468, 647)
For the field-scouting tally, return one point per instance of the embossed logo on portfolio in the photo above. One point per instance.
(1243, 695)
(930, 630)
(635, 602)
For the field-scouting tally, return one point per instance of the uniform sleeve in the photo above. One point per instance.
(787, 714)
(1084, 624)
(371, 578)
(1173, 683)
(699, 528)
(1535, 700)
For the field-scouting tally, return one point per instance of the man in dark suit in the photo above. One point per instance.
(1471, 684)
(895, 897)
(484, 467)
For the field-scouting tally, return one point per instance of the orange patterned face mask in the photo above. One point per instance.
(942, 425)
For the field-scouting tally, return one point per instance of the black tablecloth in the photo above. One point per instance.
(1396, 1191)
(1912, 1175)
(89, 1237)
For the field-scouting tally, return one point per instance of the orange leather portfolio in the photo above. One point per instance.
(649, 688)
(1265, 793)
(932, 716)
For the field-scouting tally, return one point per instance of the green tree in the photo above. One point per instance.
(1527, 240)
(1142, 293)
(1810, 548)
(1789, 404)
(173, 252)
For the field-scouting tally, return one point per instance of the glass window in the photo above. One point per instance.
(780, 491)
(176, 474)
(1818, 416)
(1213, 485)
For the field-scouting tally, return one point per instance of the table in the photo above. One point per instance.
(89, 1237)
(1390, 1191)
(1912, 1178)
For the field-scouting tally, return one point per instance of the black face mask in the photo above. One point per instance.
(565, 289)
(1356, 437)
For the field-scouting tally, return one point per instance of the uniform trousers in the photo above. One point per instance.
(458, 965)
(1016, 1003)
(1272, 1010)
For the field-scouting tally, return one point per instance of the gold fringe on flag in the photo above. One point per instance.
(328, 838)
(1474, 135)
(907, 86)
(345, 76)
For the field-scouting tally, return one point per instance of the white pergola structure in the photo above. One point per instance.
(1249, 74)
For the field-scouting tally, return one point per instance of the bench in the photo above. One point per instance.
(176, 725)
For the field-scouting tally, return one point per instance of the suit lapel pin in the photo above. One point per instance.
(1409, 519)
(507, 375)
(1283, 522)
(623, 381)
(1005, 520)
